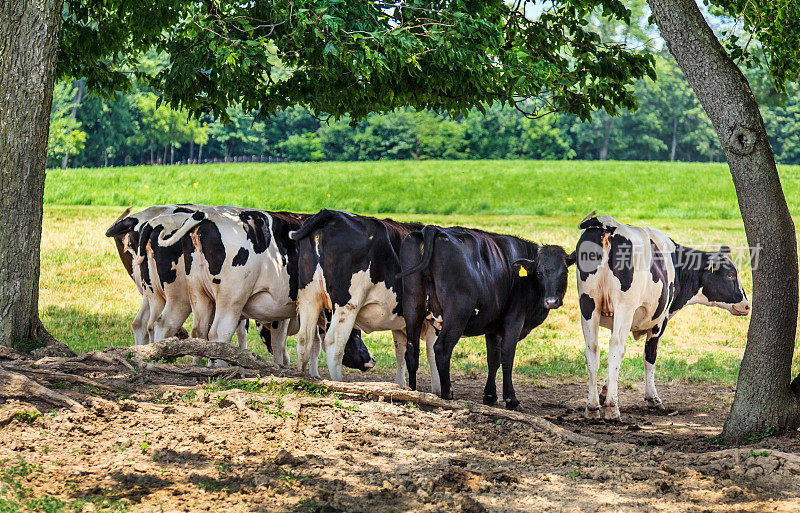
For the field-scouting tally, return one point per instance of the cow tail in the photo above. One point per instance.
(428, 234)
(177, 235)
(122, 224)
(311, 224)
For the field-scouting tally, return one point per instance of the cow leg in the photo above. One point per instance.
(493, 362)
(171, 319)
(140, 335)
(508, 352)
(342, 322)
(591, 328)
(313, 354)
(400, 343)
(203, 312)
(616, 351)
(650, 352)
(278, 337)
(430, 340)
(156, 305)
(445, 343)
(309, 308)
(226, 322)
(241, 333)
(604, 391)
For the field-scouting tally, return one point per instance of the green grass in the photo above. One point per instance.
(539, 188)
(88, 301)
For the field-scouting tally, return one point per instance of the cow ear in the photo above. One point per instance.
(571, 258)
(524, 267)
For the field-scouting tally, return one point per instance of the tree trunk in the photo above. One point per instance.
(28, 48)
(674, 139)
(608, 127)
(171, 154)
(200, 155)
(151, 152)
(72, 113)
(764, 402)
(191, 151)
(164, 158)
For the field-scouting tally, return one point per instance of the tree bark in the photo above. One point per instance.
(29, 34)
(764, 402)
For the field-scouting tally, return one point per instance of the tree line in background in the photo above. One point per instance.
(134, 128)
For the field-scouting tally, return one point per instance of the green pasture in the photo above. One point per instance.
(87, 300)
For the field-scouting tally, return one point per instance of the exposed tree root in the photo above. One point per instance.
(245, 364)
(174, 347)
(16, 385)
(396, 393)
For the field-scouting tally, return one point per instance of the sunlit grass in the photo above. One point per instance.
(541, 188)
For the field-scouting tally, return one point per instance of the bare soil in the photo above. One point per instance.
(182, 446)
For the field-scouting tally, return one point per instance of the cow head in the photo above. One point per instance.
(356, 354)
(549, 268)
(720, 286)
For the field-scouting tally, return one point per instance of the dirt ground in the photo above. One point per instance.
(195, 447)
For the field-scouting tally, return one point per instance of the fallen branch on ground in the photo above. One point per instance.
(174, 347)
(396, 393)
(17, 385)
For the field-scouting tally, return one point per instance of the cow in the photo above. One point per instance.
(161, 279)
(241, 264)
(633, 279)
(348, 266)
(466, 282)
(126, 231)
(164, 283)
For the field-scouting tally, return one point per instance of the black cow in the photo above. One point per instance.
(634, 279)
(467, 282)
(349, 266)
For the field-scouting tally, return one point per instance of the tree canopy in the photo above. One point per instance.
(343, 58)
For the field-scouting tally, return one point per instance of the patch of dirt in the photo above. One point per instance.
(181, 448)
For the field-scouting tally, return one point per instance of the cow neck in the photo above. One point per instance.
(689, 266)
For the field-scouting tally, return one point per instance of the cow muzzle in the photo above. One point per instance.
(369, 365)
(741, 309)
(552, 303)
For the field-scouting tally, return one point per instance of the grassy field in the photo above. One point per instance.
(538, 188)
(88, 301)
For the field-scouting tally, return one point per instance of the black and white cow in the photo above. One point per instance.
(241, 264)
(126, 232)
(165, 285)
(633, 279)
(161, 279)
(349, 266)
(467, 282)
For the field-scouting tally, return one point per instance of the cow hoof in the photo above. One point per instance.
(514, 405)
(490, 400)
(655, 404)
(591, 413)
(612, 413)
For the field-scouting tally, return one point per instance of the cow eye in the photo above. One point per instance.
(540, 274)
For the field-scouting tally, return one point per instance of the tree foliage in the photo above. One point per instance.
(352, 58)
